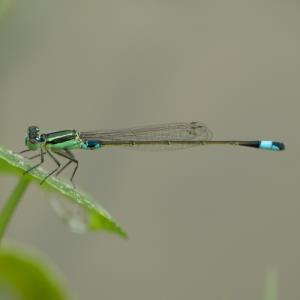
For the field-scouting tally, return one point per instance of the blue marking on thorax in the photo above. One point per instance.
(268, 145)
(91, 144)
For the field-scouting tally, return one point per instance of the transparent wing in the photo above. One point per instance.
(172, 136)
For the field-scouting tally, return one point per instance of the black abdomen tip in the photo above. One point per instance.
(279, 145)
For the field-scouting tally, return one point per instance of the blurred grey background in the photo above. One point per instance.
(204, 223)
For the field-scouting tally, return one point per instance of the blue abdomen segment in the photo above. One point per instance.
(271, 145)
(91, 144)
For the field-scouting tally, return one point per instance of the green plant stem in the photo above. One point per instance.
(12, 203)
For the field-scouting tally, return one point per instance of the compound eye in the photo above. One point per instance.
(33, 129)
(33, 134)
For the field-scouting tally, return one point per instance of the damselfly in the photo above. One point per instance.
(173, 136)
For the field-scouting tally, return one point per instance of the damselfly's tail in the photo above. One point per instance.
(265, 145)
(262, 144)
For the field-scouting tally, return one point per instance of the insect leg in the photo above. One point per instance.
(69, 155)
(37, 165)
(58, 166)
(35, 156)
(23, 151)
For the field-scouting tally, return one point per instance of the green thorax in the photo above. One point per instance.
(66, 139)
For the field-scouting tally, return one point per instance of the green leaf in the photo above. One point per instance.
(11, 204)
(23, 276)
(95, 216)
(271, 284)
